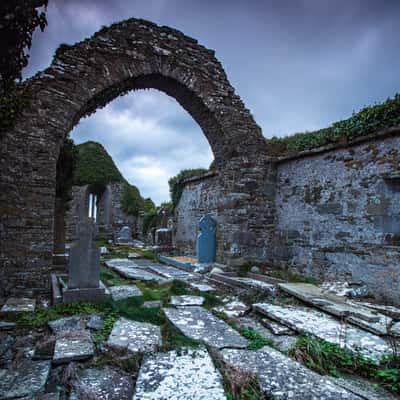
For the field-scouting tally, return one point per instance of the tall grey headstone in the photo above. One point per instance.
(125, 235)
(206, 240)
(84, 259)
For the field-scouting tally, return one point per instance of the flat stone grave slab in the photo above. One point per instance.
(363, 317)
(136, 337)
(68, 324)
(27, 380)
(233, 308)
(187, 374)
(73, 346)
(134, 255)
(152, 304)
(246, 283)
(103, 383)
(275, 328)
(124, 291)
(200, 324)
(17, 305)
(95, 322)
(170, 272)
(5, 326)
(327, 328)
(283, 378)
(391, 311)
(187, 300)
(129, 269)
(202, 287)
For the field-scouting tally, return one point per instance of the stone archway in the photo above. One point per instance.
(130, 55)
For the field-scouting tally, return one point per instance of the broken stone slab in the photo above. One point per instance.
(130, 270)
(390, 311)
(18, 305)
(103, 383)
(345, 289)
(275, 328)
(202, 287)
(124, 291)
(171, 273)
(6, 326)
(73, 346)
(133, 255)
(27, 380)
(283, 378)
(95, 322)
(136, 337)
(186, 374)
(152, 304)
(360, 316)
(233, 309)
(68, 324)
(200, 324)
(246, 283)
(327, 328)
(187, 300)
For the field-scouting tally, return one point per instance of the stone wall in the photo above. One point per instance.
(338, 214)
(110, 216)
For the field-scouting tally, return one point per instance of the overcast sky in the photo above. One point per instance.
(297, 64)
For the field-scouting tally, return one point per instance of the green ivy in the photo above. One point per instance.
(131, 201)
(367, 121)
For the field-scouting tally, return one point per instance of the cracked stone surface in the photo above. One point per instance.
(103, 383)
(202, 287)
(17, 305)
(233, 309)
(26, 380)
(73, 346)
(135, 336)
(129, 269)
(187, 374)
(200, 324)
(327, 328)
(124, 291)
(170, 272)
(283, 378)
(187, 300)
(68, 324)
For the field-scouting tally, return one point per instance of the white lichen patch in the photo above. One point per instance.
(135, 336)
(185, 374)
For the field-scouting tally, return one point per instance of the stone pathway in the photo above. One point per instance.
(327, 328)
(199, 324)
(137, 337)
(187, 374)
(281, 377)
(124, 292)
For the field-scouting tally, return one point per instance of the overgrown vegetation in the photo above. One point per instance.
(367, 121)
(131, 200)
(256, 340)
(176, 186)
(329, 358)
(149, 220)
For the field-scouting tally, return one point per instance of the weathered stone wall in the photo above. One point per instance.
(131, 55)
(110, 216)
(338, 215)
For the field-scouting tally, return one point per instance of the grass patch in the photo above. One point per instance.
(256, 340)
(111, 278)
(329, 359)
(173, 338)
(149, 254)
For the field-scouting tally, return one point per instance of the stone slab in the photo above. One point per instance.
(18, 305)
(282, 378)
(200, 324)
(152, 304)
(362, 317)
(275, 328)
(187, 374)
(388, 310)
(73, 346)
(327, 328)
(124, 291)
(171, 273)
(246, 283)
(233, 309)
(68, 324)
(28, 379)
(134, 255)
(130, 270)
(91, 295)
(202, 287)
(187, 300)
(136, 337)
(95, 322)
(5, 326)
(103, 383)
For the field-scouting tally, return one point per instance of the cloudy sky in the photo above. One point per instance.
(297, 64)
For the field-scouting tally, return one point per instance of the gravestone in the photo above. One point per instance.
(84, 267)
(125, 235)
(206, 240)
(163, 239)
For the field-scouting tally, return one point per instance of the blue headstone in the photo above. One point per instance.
(206, 242)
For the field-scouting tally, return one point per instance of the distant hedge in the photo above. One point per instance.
(369, 120)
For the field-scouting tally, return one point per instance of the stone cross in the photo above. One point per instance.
(84, 258)
(206, 241)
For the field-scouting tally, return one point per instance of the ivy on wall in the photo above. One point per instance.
(367, 121)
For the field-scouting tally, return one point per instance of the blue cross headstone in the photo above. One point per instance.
(206, 242)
